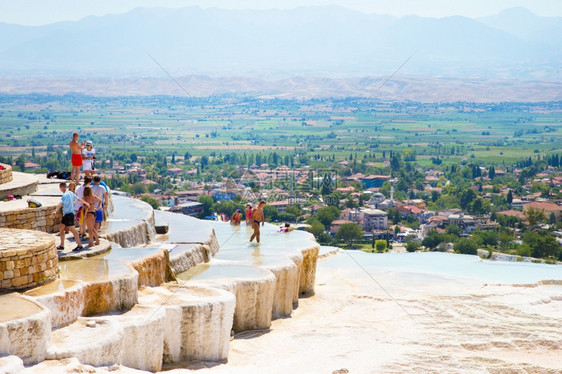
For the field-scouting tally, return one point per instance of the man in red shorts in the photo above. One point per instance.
(76, 149)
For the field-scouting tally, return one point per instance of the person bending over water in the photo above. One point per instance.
(257, 217)
(236, 217)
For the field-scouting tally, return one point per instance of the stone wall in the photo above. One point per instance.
(39, 219)
(6, 174)
(27, 259)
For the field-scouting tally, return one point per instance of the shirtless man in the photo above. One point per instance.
(257, 217)
(76, 149)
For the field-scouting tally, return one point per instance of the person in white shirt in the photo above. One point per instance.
(88, 157)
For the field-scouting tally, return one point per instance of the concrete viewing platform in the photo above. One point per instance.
(20, 184)
(17, 214)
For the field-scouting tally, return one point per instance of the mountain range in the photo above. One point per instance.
(326, 41)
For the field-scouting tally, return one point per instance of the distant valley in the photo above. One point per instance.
(399, 88)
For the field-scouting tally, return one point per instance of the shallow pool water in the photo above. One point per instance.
(55, 286)
(232, 237)
(130, 254)
(93, 270)
(130, 209)
(220, 271)
(114, 225)
(251, 258)
(184, 229)
(447, 265)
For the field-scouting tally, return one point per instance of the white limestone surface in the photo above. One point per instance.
(138, 233)
(286, 272)
(11, 365)
(73, 365)
(253, 287)
(110, 285)
(64, 298)
(143, 337)
(25, 328)
(198, 321)
(308, 270)
(448, 324)
(93, 341)
(186, 256)
(286, 281)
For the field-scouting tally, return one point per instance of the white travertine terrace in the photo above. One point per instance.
(143, 337)
(253, 287)
(94, 341)
(25, 328)
(11, 365)
(198, 321)
(144, 317)
(308, 270)
(110, 285)
(137, 234)
(131, 223)
(65, 299)
(286, 272)
(186, 256)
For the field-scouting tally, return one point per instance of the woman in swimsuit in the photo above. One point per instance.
(248, 215)
(90, 217)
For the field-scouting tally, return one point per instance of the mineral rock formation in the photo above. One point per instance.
(25, 328)
(197, 323)
(64, 299)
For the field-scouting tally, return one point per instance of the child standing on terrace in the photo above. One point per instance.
(257, 217)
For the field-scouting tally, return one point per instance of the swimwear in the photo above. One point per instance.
(68, 219)
(99, 215)
(76, 159)
(92, 213)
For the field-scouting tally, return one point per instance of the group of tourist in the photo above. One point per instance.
(85, 205)
(253, 217)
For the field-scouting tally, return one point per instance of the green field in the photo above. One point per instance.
(490, 133)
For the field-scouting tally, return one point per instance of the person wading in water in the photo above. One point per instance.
(257, 218)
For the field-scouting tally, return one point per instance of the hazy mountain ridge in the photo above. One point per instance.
(313, 41)
(400, 88)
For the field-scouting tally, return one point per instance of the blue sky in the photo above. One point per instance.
(36, 12)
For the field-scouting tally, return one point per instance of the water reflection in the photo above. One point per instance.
(93, 270)
(218, 271)
(13, 306)
(57, 285)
